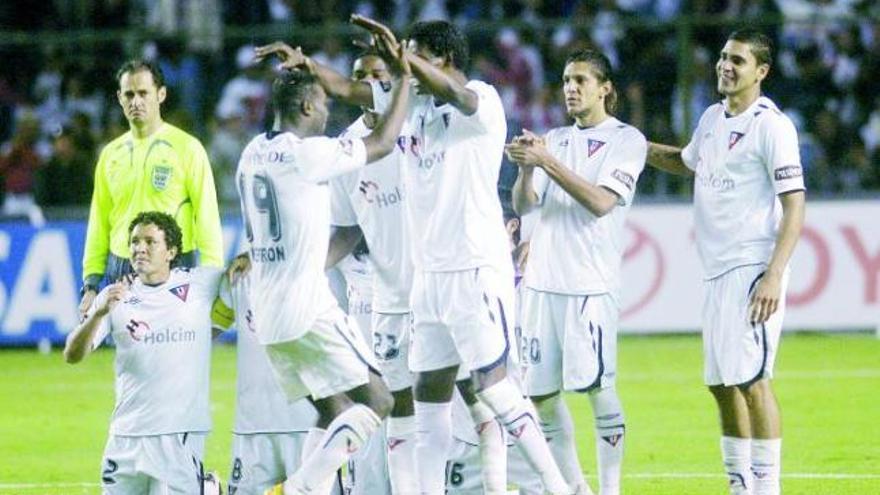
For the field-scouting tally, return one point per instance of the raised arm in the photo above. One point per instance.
(335, 84)
(80, 341)
(524, 196)
(443, 86)
(667, 158)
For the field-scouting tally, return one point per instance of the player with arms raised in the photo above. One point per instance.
(314, 348)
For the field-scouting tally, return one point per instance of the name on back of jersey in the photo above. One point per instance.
(270, 254)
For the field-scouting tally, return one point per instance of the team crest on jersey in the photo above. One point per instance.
(593, 146)
(137, 329)
(161, 177)
(734, 138)
(181, 291)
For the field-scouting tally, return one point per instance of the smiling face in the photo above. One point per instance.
(584, 93)
(738, 71)
(150, 255)
(140, 99)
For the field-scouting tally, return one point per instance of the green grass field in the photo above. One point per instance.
(54, 418)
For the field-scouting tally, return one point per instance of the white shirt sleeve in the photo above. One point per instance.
(490, 111)
(322, 158)
(209, 278)
(103, 327)
(779, 147)
(341, 211)
(620, 172)
(690, 153)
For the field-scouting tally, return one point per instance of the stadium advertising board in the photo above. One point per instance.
(834, 285)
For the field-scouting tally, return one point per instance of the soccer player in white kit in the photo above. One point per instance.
(583, 178)
(748, 210)
(462, 297)
(314, 347)
(269, 433)
(368, 205)
(161, 324)
(463, 283)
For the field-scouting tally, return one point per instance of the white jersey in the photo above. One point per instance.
(741, 163)
(359, 278)
(573, 251)
(452, 183)
(285, 201)
(373, 199)
(163, 353)
(260, 403)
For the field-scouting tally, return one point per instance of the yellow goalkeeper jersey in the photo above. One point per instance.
(167, 171)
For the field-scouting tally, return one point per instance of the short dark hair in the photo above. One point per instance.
(137, 65)
(760, 44)
(444, 40)
(290, 90)
(602, 70)
(165, 223)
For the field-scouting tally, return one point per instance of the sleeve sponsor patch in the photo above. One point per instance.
(624, 178)
(788, 172)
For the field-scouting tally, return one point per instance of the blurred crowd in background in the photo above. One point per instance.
(58, 102)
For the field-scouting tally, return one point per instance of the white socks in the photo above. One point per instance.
(736, 455)
(610, 433)
(493, 449)
(433, 441)
(344, 436)
(766, 465)
(558, 429)
(521, 421)
(401, 447)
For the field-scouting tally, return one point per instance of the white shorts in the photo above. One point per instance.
(368, 467)
(735, 351)
(464, 474)
(391, 348)
(263, 460)
(571, 341)
(154, 465)
(329, 359)
(462, 318)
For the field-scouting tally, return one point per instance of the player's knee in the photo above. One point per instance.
(403, 403)
(757, 394)
(381, 400)
(435, 386)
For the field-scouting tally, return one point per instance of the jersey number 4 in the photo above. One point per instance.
(260, 202)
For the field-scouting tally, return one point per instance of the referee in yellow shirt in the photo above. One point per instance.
(154, 166)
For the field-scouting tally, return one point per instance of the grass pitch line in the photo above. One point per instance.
(813, 476)
(816, 476)
(779, 375)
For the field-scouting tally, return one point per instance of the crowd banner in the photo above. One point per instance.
(834, 284)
